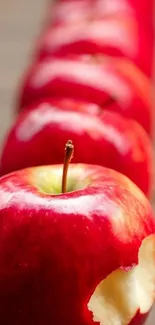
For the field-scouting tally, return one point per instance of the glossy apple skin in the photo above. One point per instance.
(68, 104)
(114, 84)
(114, 36)
(108, 36)
(55, 249)
(72, 11)
(144, 16)
(123, 28)
(68, 12)
(39, 135)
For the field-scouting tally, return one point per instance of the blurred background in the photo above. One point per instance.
(20, 23)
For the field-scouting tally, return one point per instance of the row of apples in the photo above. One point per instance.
(90, 79)
(83, 253)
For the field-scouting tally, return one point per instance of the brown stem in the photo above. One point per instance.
(69, 150)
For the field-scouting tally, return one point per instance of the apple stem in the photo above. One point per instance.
(69, 150)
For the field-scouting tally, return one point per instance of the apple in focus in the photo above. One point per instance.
(38, 136)
(81, 257)
(114, 84)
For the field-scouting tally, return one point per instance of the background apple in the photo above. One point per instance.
(75, 27)
(73, 11)
(67, 12)
(74, 257)
(68, 104)
(38, 137)
(111, 83)
(109, 36)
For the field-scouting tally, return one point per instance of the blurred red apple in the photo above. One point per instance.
(144, 16)
(122, 27)
(38, 137)
(68, 12)
(112, 36)
(68, 104)
(115, 84)
(81, 257)
(73, 11)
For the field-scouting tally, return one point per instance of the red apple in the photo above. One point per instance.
(68, 12)
(75, 258)
(39, 134)
(73, 11)
(144, 11)
(112, 36)
(68, 104)
(116, 36)
(97, 27)
(144, 16)
(115, 84)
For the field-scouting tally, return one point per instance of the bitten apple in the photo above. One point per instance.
(38, 136)
(81, 257)
(111, 83)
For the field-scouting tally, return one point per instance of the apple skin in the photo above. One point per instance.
(144, 17)
(68, 12)
(55, 249)
(73, 11)
(39, 134)
(68, 104)
(114, 84)
(78, 31)
(107, 36)
(113, 36)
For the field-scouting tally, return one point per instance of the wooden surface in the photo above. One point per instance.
(20, 23)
